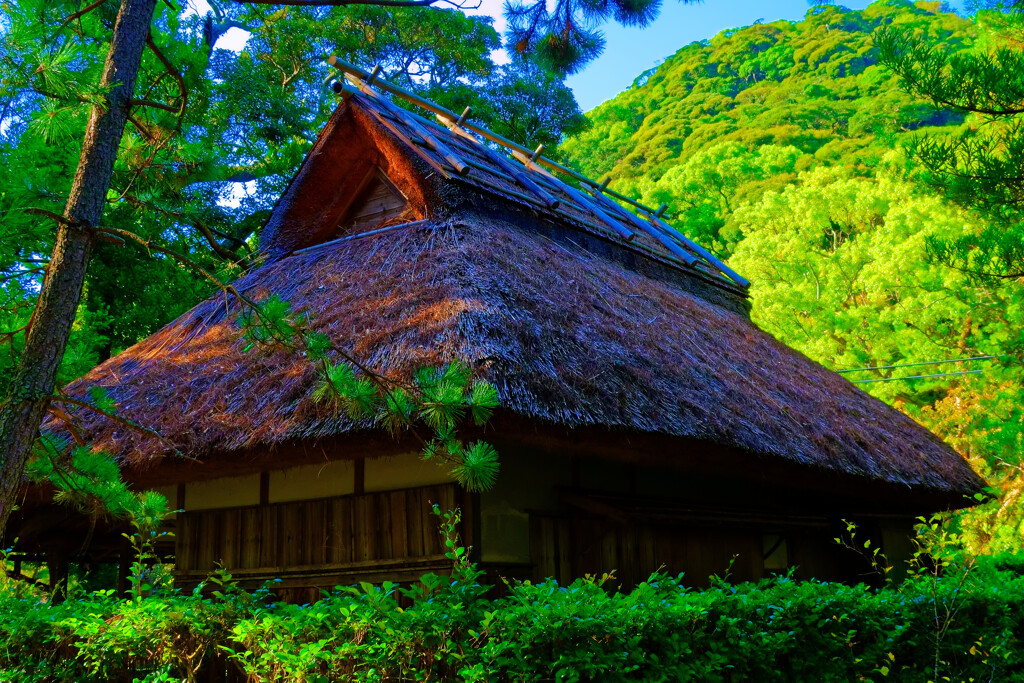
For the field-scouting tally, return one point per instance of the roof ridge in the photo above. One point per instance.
(533, 172)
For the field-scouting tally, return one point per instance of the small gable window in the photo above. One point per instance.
(378, 204)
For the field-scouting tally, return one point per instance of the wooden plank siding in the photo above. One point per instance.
(312, 542)
(565, 548)
(570, 546)
(380, 203)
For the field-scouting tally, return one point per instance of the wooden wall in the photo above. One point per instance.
(575, 544)
(320, 543)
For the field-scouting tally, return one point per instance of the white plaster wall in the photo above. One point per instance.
(227, 492)
(323, 480)
(402, 472)
(309, 482)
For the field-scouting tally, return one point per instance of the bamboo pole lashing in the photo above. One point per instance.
(397, 132)
(518, 176)
(453, 159)
(704, 253)
(373, 74)
(664, 232)
(665, 240)
(361, 235)
(413, 98)
(593, 208)
(520, 152)
(584, 203)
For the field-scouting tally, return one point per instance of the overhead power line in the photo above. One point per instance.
(911, 365)
(900, 379)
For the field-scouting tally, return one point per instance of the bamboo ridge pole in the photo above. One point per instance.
(677, 243)
(345, 67)
(433, 143)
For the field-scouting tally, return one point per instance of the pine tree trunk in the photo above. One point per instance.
(24, 407)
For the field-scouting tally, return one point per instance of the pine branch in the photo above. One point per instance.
(141, 128)
(175, 74)
(156, 105)
(990, 84)
(73, 224)
(8, 336)
(80, 13)
(150, 245)
(69, 422)
(61, 398)
(206, 231)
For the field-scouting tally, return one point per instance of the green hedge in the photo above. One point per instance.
(961, 626)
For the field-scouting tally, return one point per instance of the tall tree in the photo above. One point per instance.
(980, 166)
(29, 395)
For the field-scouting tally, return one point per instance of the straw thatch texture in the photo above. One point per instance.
(566, 336)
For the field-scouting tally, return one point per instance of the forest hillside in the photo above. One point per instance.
(780, 146)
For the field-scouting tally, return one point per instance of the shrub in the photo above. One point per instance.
(958, 626)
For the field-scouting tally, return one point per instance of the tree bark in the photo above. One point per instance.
(24, 407)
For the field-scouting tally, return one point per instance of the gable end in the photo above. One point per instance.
(357, 176)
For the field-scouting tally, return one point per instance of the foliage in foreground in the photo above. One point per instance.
(965, 625)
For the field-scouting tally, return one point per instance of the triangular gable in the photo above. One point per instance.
(355, 175)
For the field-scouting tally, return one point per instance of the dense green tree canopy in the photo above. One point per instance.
(979, 166)
(814, 84)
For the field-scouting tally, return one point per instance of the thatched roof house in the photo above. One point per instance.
(644, 420)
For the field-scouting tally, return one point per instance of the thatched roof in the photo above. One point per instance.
(575, 329)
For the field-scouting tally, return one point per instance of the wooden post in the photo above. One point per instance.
(264, 488)
(373, 74)
(359, 486)
(57, 563)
